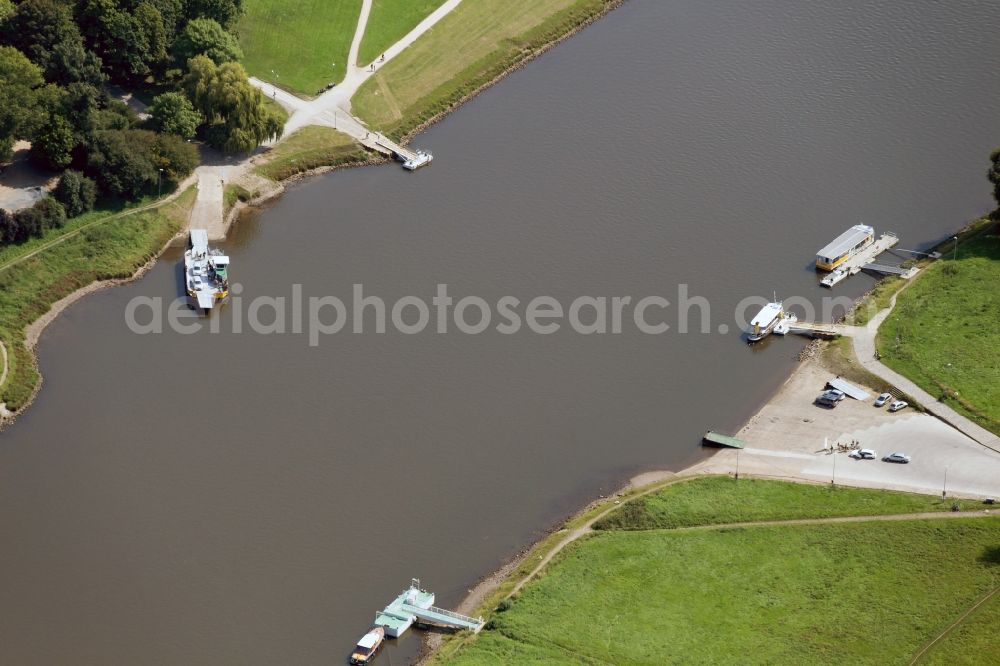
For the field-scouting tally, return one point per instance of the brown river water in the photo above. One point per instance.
(222, 498)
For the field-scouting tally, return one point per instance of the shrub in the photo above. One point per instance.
(127, 163)
(173, 113)
(76, 193)
(51, 214)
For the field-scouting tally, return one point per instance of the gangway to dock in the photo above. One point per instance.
(416, 606)
(815, 330)
(886, 269)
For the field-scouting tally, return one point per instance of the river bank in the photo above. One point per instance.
(787, 440)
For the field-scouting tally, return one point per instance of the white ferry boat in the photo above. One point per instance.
(765, 321)
(206, 274)
(423, 158)
(845, 246)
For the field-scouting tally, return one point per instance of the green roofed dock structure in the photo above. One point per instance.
(718, 439)
(416, 606)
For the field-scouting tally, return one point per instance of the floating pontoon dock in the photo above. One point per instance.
(416, 606)
(864, 260)
(718, 439)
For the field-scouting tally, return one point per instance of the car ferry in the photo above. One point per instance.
(764, 323)
(206, 274)
(845, 246)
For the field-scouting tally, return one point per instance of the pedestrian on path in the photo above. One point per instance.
(382, 58)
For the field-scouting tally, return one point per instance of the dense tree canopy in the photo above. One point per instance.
(75, 192)
(235, 111)
(20, 82)
(127, 163)
(44, 30)
(208, 38)
(174, 114)
(223, 12)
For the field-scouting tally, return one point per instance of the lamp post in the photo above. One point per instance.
(737, 464)
(944, 488)
(159, 179)
(955, 238)
(833, 477)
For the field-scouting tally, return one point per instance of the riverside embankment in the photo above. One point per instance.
(214, 486)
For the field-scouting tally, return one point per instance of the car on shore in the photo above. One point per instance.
(836, 394)
(882, 399)
(901, 458)
(898, 405)
(825, 400)
(863, 454)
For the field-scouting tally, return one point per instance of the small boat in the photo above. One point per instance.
(423, 158)
(765, 321)
(369, 644)
(834, 277)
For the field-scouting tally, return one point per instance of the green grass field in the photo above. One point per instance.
(300, 46)
(852, 593)
(309, 148)
(715, 500)
(858, 592)
(943, 333)
(389, 22)
(112, 249)
(972, 642)
(467, 49)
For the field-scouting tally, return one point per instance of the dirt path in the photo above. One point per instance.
(181, 187)
(587, 527)
(954, 625)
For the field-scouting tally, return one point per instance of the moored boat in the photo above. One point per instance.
(764, 322)
(206, 274)
(369, 644)
(845, 246)
(423, 158)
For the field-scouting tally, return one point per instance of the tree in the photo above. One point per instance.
(7, 228)
(223, 12)
(174, 114)
(20, 81)
(75, 192)
(175, 156)
(235, 111)
(52, 144)
(6, 11)
(126, 163)
(994, 174)
(151, 23)
(50, 214)
(204, 36)
(27, 223)
(44, 30)
(118, 37)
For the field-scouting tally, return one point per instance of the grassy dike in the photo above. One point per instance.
(659, 584)
(104, 248)
(943, 333)
(472, 47)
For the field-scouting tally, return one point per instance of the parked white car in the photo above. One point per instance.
(863, 454)
(882, 399)
(898, 405)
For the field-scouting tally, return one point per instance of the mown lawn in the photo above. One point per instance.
(972, 642)
(112, 249)
(944, 332)
(849, 593)
(718, 499)
(468, 48)
(300, 46)
(309, 148)
(389, 22)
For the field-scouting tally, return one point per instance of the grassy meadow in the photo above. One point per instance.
(944, 334)
(863, 592)
(389, 22)
(114, 248)
(470, 47)
(716, 500)
(309, 148)
(300, 46)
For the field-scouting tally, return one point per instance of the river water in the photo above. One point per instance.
(249, 499)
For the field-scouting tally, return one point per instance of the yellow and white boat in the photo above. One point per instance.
(845, 246)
